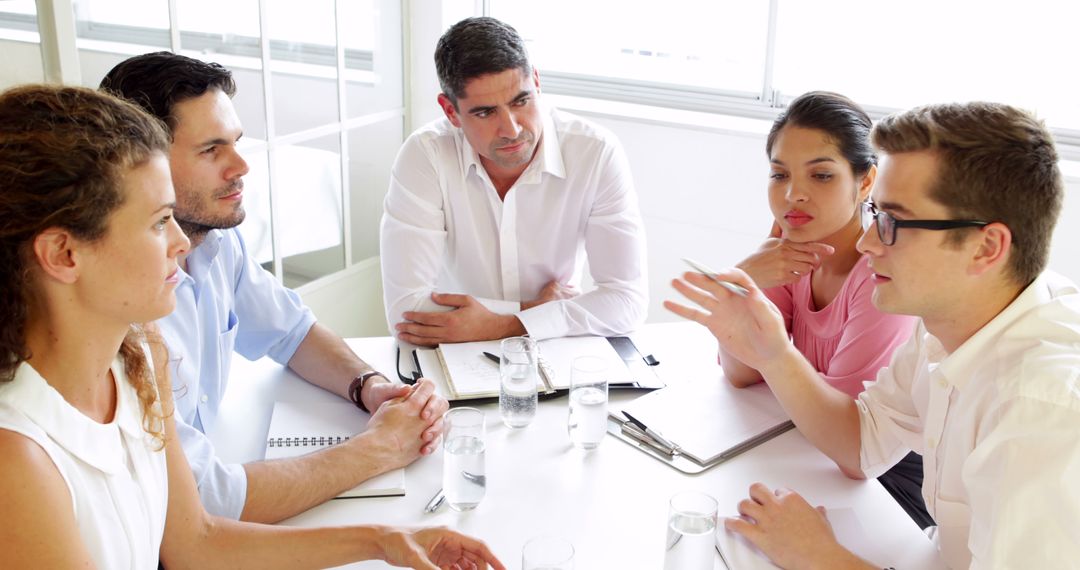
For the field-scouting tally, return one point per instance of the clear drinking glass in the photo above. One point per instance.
(690, 529)
(547, 553)
(518, 378)
(587, 420)
(464, 473)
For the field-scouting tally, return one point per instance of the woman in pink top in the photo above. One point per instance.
(822, 167)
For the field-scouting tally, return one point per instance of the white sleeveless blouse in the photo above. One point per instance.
(117, 479)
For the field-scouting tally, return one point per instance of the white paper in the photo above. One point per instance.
(473, 373)
(327, 420)
(740, 554)
(708, 416)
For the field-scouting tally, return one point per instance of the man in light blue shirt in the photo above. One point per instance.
(227, 302)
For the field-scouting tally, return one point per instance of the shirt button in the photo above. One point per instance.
(931, 442)
(205, 398)
(941, 382)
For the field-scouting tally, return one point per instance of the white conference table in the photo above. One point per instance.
(611, 503)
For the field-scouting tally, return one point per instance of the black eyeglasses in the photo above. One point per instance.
(887, 225)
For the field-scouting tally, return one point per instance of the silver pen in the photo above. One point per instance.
(435, 502)
(651, 433)
(700, 268)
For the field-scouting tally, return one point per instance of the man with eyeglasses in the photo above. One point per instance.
(987, 388)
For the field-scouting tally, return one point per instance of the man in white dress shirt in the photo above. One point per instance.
(987, 388)
(493, 209)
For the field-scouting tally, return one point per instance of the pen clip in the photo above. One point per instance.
(632, 431)
(435, 502)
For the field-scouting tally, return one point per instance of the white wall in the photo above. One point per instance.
(20, 63)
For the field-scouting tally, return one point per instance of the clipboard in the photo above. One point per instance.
(708, 421)
(635, 373)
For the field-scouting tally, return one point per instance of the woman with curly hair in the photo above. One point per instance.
(93, 471)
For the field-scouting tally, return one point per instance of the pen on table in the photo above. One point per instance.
(700, 268)
(491, 357)
(649, 431)
(435, 502)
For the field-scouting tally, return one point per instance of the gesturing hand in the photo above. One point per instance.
(749, 328)
(435, 549)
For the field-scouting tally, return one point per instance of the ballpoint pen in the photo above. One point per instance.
(645, 440)
(651, 433)
(700, 268)
(491, 357)
(435, 502)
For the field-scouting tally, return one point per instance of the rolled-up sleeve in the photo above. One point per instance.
(889, 421)
(222, 486)
(272, 319)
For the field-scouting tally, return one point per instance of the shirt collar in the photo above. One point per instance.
(548, 157)
(95, 444)
(957, 367)
(200, 258)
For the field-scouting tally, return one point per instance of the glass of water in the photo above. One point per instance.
(587, 422)
(518, 378)
(690, 532)
(464, 474)
(547, 553)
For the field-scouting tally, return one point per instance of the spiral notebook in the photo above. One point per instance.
(298, 429)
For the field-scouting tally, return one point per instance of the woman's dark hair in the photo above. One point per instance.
(158, 81)
(63, 154)
(845, 123)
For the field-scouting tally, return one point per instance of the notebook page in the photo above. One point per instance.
(561, 352)
(469, 371)
(317, 422)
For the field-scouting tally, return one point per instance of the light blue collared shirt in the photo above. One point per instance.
(224, 302)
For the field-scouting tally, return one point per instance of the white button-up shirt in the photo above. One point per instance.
(444, 229)
(998, 425)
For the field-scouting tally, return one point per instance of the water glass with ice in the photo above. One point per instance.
(464, 473)
(518, 379)
(690, 532)
(587, 421)
(547, 553)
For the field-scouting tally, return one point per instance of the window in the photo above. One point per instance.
(312, 110)
(740, 58)
(22, 61)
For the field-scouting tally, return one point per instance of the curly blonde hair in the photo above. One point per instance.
(63, 153)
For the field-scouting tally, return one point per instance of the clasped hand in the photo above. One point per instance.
(779, 261)
(408, 419)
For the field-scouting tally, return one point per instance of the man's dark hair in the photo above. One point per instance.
(158, 81)
(474, 47)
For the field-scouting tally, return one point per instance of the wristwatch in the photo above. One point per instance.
(357, 387)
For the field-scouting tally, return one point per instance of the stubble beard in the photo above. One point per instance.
(516, 160)
(197, 219)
